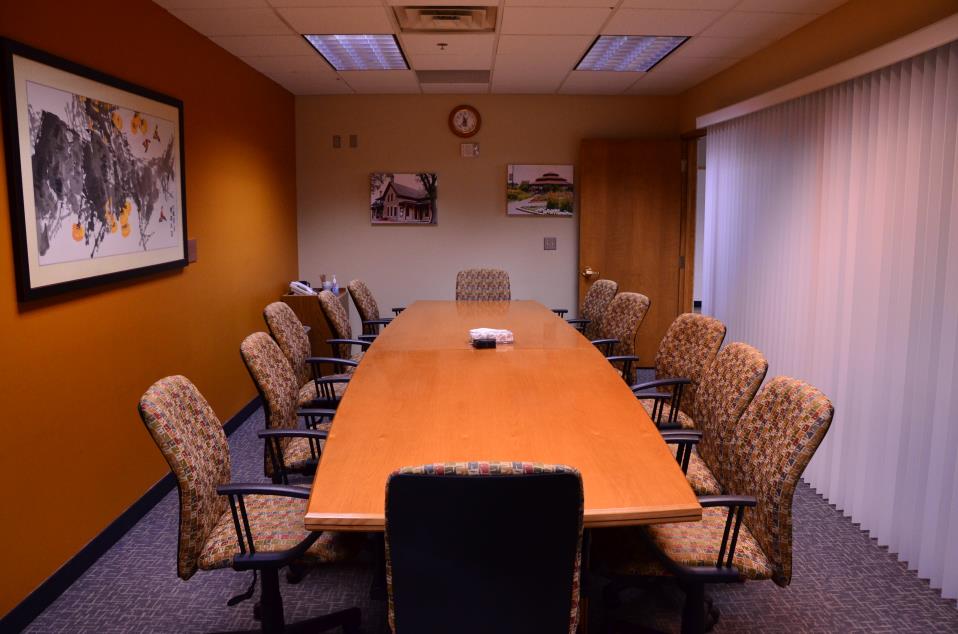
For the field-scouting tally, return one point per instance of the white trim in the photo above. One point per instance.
(916, 43)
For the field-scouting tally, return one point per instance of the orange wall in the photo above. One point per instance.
(74, 454)
(851, 29)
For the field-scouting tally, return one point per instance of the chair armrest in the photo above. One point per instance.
(256, 488)
(354, 342)
(248, 557)
(313, 415)
(293, 433)
(368, 337)
(685, 440)
(578, 321)
(626, 360)
(398, 309)
(330, 360)
(600, 342)
(605, 345)
(378, 322)
(733, 522)
(660, 383)
(621, 357)
(655, 396)
(561, 312)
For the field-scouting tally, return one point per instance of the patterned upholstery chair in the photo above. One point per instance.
(211, 536)
(483, 285)
(685, 354)
(286, 451)
(315, 389)
(724, 393)
(368, 308)
(617, 330)
(594, 305)
(498, 570)
(746, 533)
(339, 326)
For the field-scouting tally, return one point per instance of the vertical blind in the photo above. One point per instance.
(831, 243)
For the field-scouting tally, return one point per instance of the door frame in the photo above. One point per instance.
(687, 235)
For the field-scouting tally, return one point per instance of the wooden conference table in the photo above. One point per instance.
(422, 394)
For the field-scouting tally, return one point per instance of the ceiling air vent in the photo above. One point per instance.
(452, 19)
(453, 76)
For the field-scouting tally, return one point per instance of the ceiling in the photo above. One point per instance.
(535, 46)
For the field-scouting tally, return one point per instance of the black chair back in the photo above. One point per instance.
(484, 554)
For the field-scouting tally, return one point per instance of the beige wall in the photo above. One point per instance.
(409, 133)
(851, 29)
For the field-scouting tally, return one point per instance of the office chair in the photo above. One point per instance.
(368, 308)
(594, 305)
(255, 527)
(286, 450)
(315, 389)
(483, 285)
(685, 353)
(477, 547)
(617, 331)
(747, 532)
(343, 340)
(724, 393)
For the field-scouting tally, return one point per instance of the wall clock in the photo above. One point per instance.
(464, 121)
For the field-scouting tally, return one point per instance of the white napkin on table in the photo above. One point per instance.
(501, 336)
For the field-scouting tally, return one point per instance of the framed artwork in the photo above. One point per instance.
(95, 173)
(540, 190)
(402, 199)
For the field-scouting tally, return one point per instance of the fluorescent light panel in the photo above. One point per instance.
(360, 52)
(629, 52)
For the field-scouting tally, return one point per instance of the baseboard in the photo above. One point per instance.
(47, 592)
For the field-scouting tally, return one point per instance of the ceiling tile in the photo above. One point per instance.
(375, 82)
(211, 4)
(448, 61)
(340, 21)
(790, 6)
(770, 26)
(456, 43)
(455, 89)
(659, 22)
(709, 5)
(568, 48)
(536, 86)
(581, 82)
(533, 20)
(730, 47)
(255, 45)
(297, 4)
(660, 86)
(560, 3)
(305, 84)
(233, 21)
(291, 64)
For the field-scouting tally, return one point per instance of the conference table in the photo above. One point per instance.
(422, 394)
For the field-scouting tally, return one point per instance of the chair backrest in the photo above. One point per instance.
(595, 303)
(727, 388)
(191, 438)
(291, 337)
(772, 444)
(483, 285)
(364, 300)
(622, 320)
(337, 319)
(275, 381)
(484, 547)
(687, 350)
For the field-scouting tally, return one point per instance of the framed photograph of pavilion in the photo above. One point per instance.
(95, 173)
(540, 190)
(402, 199)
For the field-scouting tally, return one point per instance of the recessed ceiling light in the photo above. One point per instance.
(360, 52)
(629, 52)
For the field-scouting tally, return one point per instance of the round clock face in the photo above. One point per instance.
(464, 121)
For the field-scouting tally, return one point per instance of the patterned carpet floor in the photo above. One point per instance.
(842, 582)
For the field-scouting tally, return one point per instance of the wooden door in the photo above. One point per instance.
(630, 217)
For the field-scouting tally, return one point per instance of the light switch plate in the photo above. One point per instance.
(549, 244)
(353, 140)
(337, 141)
(469, 150)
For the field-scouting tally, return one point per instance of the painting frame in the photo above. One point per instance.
(19, 64)
(409, 199)
(531, 189)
